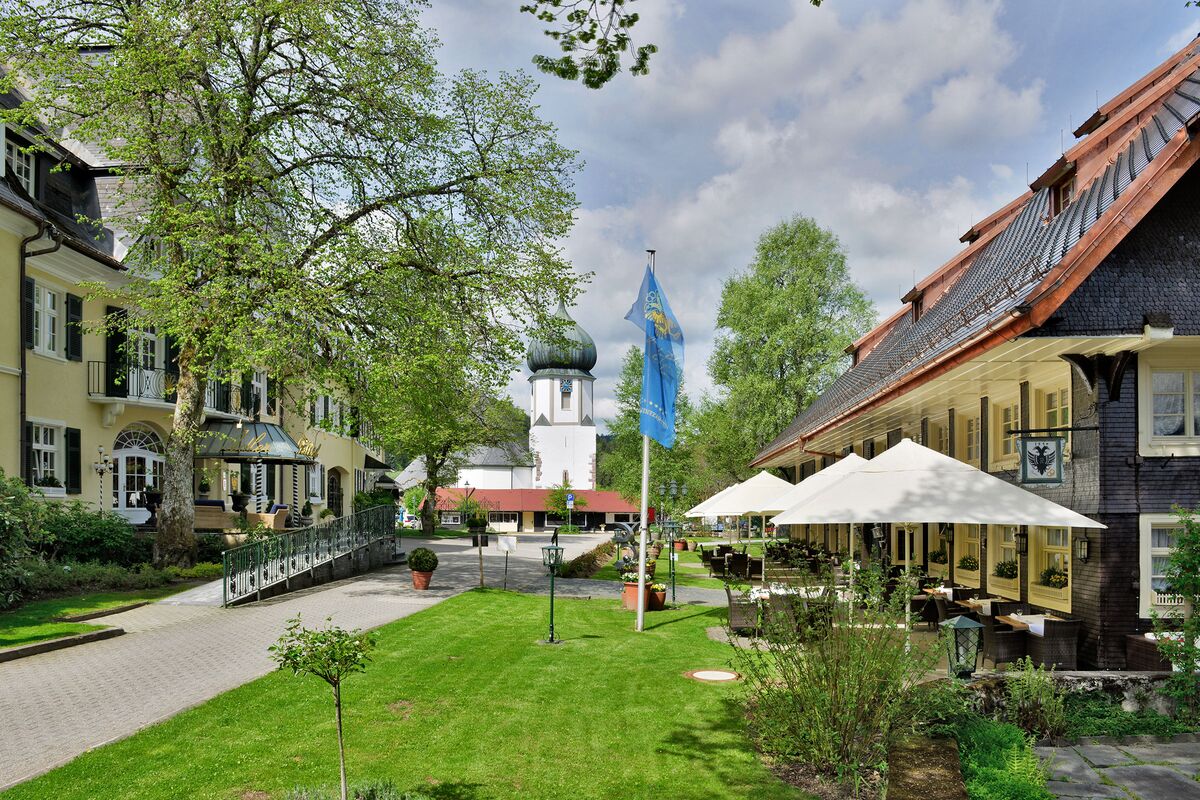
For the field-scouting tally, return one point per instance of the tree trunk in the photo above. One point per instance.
(175, 542)
(337, 706)
(429, 514)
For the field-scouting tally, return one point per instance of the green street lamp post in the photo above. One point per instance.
(674, 490)
(552, 559)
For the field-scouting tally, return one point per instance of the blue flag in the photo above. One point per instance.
(662, 368)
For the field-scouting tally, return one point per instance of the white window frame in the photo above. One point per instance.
(450, 517)
(971, 439)
(1007, 415)
(1040, 553)
(966, 542)
(316, 480)
(1150, 444)
(21, 165)
(47, 320)
(1054, 411)
(44, 453)
(1002, 541)
(1148, 599)
(258, 386)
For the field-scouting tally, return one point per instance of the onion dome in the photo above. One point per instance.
(575, 354)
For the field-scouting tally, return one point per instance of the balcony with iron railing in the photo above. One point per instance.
(119, 382)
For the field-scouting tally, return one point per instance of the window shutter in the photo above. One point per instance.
(171, 366)
(27, 313)
(321, 477)
(27, 449)
(312, 414)
(247, 396)
(74, 328)
(74, 481)
(353, 423)
(272, 388)
(114, 353)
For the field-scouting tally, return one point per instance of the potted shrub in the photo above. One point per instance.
(422, 562)
(629, 595)
(1006, 569)
(969, 563)
(656, 599)
(204, 487)
(306, 514)
(938, 556)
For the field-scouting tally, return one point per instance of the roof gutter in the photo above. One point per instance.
(56, 236)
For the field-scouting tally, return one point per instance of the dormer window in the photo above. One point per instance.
(1062, 195)
(20, 164)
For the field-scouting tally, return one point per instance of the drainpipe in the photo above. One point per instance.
(44, 228)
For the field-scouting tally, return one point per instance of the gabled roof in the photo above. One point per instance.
(1015, 274)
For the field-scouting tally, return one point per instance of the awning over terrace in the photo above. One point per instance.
(252, 442)
(911, 483)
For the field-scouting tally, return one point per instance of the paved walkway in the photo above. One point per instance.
(57, 705)
(1142, 771)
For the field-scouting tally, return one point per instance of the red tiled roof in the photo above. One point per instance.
(534, 500)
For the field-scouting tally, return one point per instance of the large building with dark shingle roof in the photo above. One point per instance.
(1074, 313)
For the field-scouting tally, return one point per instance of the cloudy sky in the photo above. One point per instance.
(897, 125)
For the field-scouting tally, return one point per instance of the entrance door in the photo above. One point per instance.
(335, 492)
(137, 468)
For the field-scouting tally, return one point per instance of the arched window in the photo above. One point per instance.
(139, 437)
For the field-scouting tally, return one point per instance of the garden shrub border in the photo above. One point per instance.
(589, 563)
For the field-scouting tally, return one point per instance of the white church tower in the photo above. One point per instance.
(562, 432)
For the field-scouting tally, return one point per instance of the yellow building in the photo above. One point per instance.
(74, 399)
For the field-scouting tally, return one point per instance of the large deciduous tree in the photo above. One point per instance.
(281, 164)
(783, 326)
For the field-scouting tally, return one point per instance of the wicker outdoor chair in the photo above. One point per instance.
(966, 592)
(1002, 645)
(945, 611)
(1058, 646)
(743, 612)
(705, 555)
(1006, 607)
(754, 568)
(718, 567)
(738, 564)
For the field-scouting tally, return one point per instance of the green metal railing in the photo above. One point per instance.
(250, 568)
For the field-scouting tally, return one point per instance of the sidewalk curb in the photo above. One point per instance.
(51, 645)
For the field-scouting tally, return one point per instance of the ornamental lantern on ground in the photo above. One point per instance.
(962, 645)
(552, 555)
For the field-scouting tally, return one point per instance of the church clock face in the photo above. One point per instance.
(565, 386)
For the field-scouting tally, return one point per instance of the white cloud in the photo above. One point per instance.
(1180, 38)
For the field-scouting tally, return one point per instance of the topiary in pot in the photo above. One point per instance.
(422, 561)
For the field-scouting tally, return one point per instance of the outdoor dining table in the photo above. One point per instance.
(1026, 622)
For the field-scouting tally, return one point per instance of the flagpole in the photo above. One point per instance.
(641, 609)
(645, 517)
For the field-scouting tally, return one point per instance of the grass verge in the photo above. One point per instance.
(35, 620)
(460, 703)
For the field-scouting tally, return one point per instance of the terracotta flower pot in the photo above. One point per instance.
(421, 579)
(691, 544)
(681, 544)
(657, 601)
(629, 597)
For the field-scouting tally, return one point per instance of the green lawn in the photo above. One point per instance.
(462, 704)
(34, 621)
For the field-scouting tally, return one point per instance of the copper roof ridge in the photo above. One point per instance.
(1164, 68)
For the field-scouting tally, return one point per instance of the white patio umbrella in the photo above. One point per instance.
(813, 484)
(747, 497)
(698, 509)
(911, 483)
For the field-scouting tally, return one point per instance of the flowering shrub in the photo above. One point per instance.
(969, 563)
(1007, 569)
(938, 556)
(1054, 577)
